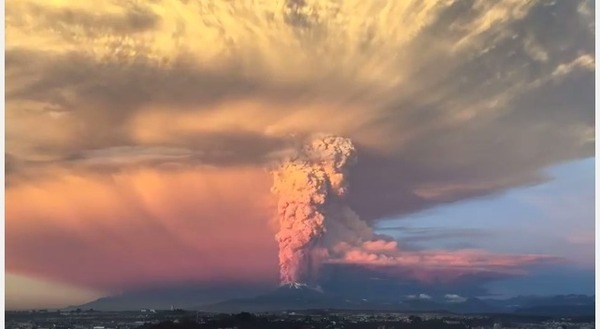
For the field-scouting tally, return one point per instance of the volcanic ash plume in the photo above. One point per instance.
(304, 184)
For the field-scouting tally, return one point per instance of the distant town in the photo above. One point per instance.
(307, 319)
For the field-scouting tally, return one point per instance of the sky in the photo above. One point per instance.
(140, 135)
(556, 217)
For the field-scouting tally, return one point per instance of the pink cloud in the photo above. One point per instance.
(143, 227)
(435, 265)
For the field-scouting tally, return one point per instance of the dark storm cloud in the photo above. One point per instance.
(501, 151)
(103, 95)
(443, 160)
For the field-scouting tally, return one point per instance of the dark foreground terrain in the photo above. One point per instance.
(179, 319)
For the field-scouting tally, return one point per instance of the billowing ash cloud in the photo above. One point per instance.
(305, 185)
(317, 225)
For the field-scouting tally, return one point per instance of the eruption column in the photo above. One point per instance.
(304, 184)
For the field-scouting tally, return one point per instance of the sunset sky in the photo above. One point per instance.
(140, 135)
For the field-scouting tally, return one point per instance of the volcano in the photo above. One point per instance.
(300, 296)
(290, 296)
(297, 297)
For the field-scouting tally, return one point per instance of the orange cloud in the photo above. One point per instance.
(140, 226)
